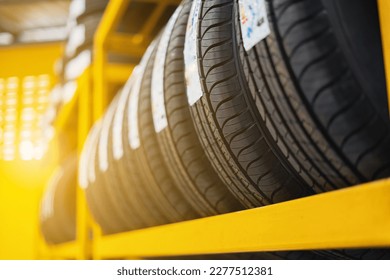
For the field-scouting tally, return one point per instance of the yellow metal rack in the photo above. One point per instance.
(356, 217)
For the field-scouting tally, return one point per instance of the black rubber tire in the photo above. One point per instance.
(329, 90)
(152, 214)
(330, 99)
(65, 207)
(124, 192)
(227, 122)
(60, 196)
(269, 102)
(136, 185)
(96, 199)
(291, 127)
(179, 143)
(112, 197)
(167, 197)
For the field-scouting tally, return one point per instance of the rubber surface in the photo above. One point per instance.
(58, 207)
(118, 182)
(96, 203)
(179, 144)
(226, 120)
(328, 100)
(172, 204)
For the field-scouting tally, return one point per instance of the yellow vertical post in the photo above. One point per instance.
(384, 15)
(107, 26)
(153, 19)
(111, 17)
(84, 124)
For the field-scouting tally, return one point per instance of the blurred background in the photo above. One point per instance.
(31, 41)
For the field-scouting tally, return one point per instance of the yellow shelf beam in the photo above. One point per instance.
(84, 124)
(126, 44)
(66, 113)
(355, 217)
(112, 15)
(63, 251)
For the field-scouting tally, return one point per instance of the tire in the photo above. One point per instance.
(136, 186)
(188, 165)
(333, 93)
(152, 214)
(118, 183)
(96, 203)
(58, 207)
(111, 198)
(300, 144)
(340, 85)
(226, 121)
(162, 187)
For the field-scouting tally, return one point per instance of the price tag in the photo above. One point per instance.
(194, 89)
(254, 22)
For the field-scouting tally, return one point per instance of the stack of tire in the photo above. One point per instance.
(84, 18)
(58, 207)
(240, 104)
(83, 21)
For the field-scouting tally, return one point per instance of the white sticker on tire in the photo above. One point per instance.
(77, 65)
(157, 95)
(76, 39)
(77, 8)
(69, 91)
(104, 135)
(117, 143)
(134, 97)
(254, 22)
(194, 89)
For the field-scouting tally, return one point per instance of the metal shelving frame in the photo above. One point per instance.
(355, 217)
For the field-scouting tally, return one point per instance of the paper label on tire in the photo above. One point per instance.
(254, 22)
(157, 95)
(117, 141)
(76, 39)
(134, 139)
(194, 89)
(77, 66)
(69, 91)
(77, 8)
